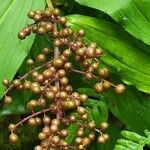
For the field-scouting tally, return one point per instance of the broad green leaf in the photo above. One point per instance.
(125, 55)
(133, 15)
(13, 18)
(98, 111)
(18, 105)
(131, 108)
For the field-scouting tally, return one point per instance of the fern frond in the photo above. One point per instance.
(132, 141)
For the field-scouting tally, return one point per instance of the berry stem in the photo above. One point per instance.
(96, 77)
(56, 55)
(33, 115)
(27, 74)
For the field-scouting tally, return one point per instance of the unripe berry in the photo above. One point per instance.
(87, 62)
(47, 74)
(98, 87)
(106, 84)
(22, 35)
(67, 53)
(55, 122)
(35, 74)
(90, 52)
(13, 138)
(57, 42)
(34, 28)
(81, 147)
(52, 69)
(106, 136)
(46, 120)
(80, 132)
(42, 136)
(27, 85)
(56, 12)
(104, 125)
(50, 95)
(58, 63)
(53, 128)
(38, 120)
(78, 140)
(81, 32)
(84, 117)
(36, 90)
(41, 31)
(72, 119)
(40, 78)
(63, 95)
(64, 133)
(41, 102)
(38, 147)
(32, 104)
(48, 12)
(5, 82)
(16, 82)
(89, 76)
(61, 73)
(63, 20)
(41, 57)
(31, 14)
(68, 65)
(37, 17)
(32, 121)
(92, 125)
(8, 100)
(81, 52)
(103, 72)
(91, 136)
(68, 89)
(86, 142)
(120, 88)
(55, 89)
(46, 51)
(11, 127)
(48, 27)
(83, 97)
(94, 45)
(55, 140)
(64, 81)
(46, 130)
(101, 140)
(81, 110)
(98, 52)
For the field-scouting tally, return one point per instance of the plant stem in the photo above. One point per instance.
(96, 77)
(27, 74)
(33, 115)
(49, 4)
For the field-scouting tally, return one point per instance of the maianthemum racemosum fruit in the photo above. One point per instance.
(60, 105)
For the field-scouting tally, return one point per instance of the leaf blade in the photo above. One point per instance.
(132, 15)
(12, 50)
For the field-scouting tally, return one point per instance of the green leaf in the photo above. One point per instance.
(131, 108)
(133, 15)
(132, 141)
(18, 105)
(13, 51)
(125, 55)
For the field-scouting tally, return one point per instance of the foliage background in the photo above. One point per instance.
(121, 28)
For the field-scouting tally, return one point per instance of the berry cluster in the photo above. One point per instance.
(57, 105)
